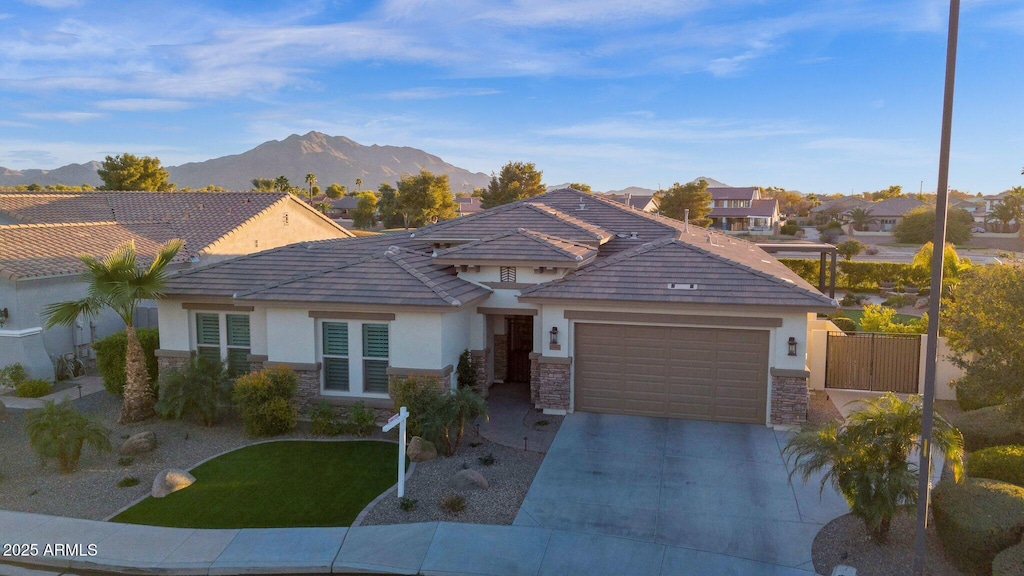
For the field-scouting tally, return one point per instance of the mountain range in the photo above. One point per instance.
(330, 158)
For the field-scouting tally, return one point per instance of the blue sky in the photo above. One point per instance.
(817, 96)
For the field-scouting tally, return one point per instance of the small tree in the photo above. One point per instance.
(867, 458)
(849, 249)
(466, 371)
(130, 172)
(515, 181)
(311, 181)
(679, 198)
(861, 218)
(917, 226)
(59, 431)
(365, 213)
(201, 389)
(335, 191)
(878, 318)
(464, 406)
(952, 264)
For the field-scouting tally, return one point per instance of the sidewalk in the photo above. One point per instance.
(428, 548)
(88, 384)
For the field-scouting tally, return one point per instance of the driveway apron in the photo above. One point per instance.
(719, 490)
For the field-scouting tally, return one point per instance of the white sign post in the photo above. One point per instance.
(399, 419)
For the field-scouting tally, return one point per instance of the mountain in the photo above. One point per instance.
(634, 190)
(331, 158)
(72, 175)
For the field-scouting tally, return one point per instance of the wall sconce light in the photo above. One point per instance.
(4, 315)
(792, 346)
(554, 338)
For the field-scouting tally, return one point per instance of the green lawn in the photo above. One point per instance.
(855, 315)
(276, 485)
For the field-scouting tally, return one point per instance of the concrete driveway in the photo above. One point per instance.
(719, 494)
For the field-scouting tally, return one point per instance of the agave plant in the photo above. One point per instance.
(867, 458)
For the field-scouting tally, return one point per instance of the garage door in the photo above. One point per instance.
(705, 374)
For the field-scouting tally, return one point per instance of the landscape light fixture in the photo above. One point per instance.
(792, 346)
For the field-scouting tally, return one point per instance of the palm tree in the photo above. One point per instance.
(1006, 211)
(117, 283)
(359, 184)
(867, 458)
(311, 180)
(59, 431)
(861, 218)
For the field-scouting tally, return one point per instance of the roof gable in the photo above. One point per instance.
(734, 193)
(535, 216)
(519, 246)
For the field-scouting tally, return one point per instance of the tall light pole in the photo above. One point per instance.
(938, 250)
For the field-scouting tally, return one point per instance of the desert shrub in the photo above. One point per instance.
(977, 520)
(789, 229)
(110, 355)
(1009, 562)
(974, 392)
(830, 235)
(265, 399)
(845, 324)
(33, 388)
(852, 299)
(486, 459)
(992, 426)
(1003, 463)
(12, 375)
(849, 249)
(201, 389)
(59, 431)
(125, 460)
(361, 420)
(466, 372)
(407, 504)
(325, 420)
(900, 300)
(127, 482)
(452, 504)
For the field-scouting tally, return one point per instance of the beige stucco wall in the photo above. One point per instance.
(291, 335)
(174, 325)
(271, 230)
(416, 340)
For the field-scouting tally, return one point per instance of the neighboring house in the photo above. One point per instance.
(743, 210)
(834, 209)
(591, 305)
(977, 207)
(642, 202)
(468, 206)
(340, 208)
(41, 235)
(889, 213)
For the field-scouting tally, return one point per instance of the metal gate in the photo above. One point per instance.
(876, 362)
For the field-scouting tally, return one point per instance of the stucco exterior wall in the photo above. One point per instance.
(416, 341)
(174, 325)
(284, 223)
(291, 335)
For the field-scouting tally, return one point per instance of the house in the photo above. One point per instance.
(468, 205)
(889, 212)
(585, 302)
(834, 209)
(41, 235)
(643, 202)
(736, 209)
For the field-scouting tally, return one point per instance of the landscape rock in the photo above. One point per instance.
(171, 480)
(469, 480)
(138, 444)
(921, 303)
(420, 450)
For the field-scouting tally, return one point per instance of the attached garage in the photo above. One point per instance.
(675, 372)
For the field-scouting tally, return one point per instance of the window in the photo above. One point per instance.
(508, 274)
(375, 358)
(233, 343)
(335, 356)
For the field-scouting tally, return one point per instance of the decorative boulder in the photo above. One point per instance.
(921, 303)
(138, 443)
(171, 480)
(469, 480)
(420, 450)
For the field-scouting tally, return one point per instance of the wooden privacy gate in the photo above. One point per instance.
(876, 362)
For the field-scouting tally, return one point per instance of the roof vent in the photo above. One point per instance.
(583, 205)
(622, 235)
(681, 286)
(633, 236)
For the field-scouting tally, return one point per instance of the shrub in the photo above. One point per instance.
(1003, 463)
(992, 426)
(830, 235)
(466, 372)
(422, 397)
(265, 399)
(59, 431)
(127, 482)
(32, 388)
(882, 319)
(110, 355)
(900, 300)
(486, 459)
(978, 519)
(1009, 562)
(325, 420)
(845, 324)
(974, 392)
(852, 299)
(789, 229)
(452, 504)
(849, 249)
(12, 375)
(201, 389)
(361, 420)
(407, 504)
(125, 460)
(871, 250)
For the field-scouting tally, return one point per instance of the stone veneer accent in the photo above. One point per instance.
(549, 382)
(500, 357)
(171, 359)
(480, 367)
(789, 397)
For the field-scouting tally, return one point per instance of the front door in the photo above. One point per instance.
(520, 345)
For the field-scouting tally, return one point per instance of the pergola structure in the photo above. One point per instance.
(803, 247)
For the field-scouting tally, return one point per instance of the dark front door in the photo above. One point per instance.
(520, 344)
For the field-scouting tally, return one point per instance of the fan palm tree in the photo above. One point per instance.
(861, 218)
(867, 458)
(311, 180)
(1006, 211)
(117, 283)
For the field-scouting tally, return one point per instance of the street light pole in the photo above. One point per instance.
(938, 250)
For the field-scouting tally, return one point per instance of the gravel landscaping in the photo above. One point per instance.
(821, 410)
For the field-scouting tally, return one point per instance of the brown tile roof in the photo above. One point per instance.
(732, 193)
(637, 201)
(519, 246)
(535, 216)
(647, 274)
(759, 208)
(894, 207)
(198, 218)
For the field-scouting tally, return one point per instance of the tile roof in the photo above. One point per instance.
(733, 193)
(842, 204)
(535, 216)
(637, 201)
(760, 208)
(647, 273)
(519, 245)
(894, 207)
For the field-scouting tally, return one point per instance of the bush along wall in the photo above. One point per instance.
(859, 275)
(110, 355)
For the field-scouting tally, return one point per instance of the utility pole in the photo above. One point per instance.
(938, 249)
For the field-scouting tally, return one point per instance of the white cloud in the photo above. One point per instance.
(72, 117)
(143, 105)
